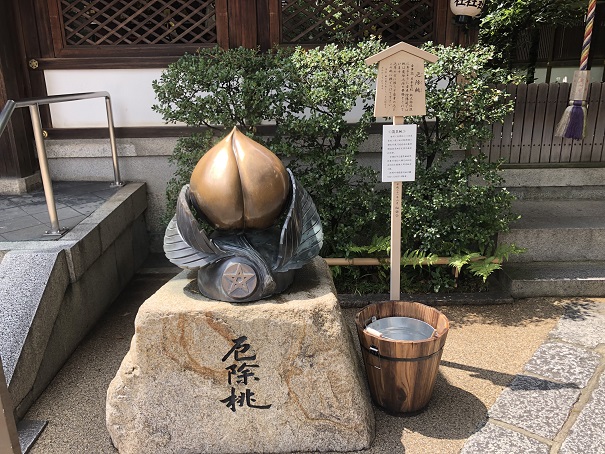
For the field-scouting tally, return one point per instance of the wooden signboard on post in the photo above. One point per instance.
(400, 92)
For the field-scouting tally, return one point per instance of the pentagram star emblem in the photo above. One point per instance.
(239, 280)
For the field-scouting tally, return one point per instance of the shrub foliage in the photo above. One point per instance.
(308, 95)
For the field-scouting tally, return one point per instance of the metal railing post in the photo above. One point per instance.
(112, 140)
(33, 104)
(44, 173)
(9, 437)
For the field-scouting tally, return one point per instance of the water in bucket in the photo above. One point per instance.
(401, 328)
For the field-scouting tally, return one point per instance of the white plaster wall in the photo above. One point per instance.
(131, 97)
(130, 90)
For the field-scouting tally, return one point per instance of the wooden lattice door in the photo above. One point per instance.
(133, 27)
(322, 21)
(112, 32)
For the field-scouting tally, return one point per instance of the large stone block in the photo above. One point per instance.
(32, 285)
(277, 375)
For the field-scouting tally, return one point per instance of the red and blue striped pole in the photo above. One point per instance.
(573, 121)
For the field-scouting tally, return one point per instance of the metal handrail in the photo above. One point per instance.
(34, 109)
(6, 113)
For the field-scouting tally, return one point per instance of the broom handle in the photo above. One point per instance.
(592, 6)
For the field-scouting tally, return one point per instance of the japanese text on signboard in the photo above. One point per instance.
(399, 153)
(401, 84)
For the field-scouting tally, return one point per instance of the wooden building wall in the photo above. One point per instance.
(17, 157)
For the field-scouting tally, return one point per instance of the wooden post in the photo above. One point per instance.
(400, 91)
(396, 196)
(9, 437)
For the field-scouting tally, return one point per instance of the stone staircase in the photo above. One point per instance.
(562, 227)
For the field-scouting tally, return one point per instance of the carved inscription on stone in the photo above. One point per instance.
(240, 375)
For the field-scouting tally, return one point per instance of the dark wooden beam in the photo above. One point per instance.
(275, 22)
(222, 23)
(34, 28)
(17, 158)
(441, 13)
(263, 24)
(243, 27)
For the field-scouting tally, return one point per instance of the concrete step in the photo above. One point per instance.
(559, 192)
(565, 279)
(558, 230)
(549, 176)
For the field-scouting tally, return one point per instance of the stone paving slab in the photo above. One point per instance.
(19, 223)
(583, 323)
(25, 217)
(7, 203)
(538, 406)
(494, 439)
(11, 213)
(588, 433)
(36, 231)
(62, 213)
(564, 363)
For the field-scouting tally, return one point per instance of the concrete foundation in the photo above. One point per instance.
(20, 185)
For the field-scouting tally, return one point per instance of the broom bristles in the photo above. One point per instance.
(573, 122)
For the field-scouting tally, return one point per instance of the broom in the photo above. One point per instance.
(573, 121)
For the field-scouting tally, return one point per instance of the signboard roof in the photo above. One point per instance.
(401, 47)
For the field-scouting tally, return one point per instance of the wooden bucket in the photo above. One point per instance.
(401, 374)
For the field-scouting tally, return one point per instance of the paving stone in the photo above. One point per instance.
(564, 363)
(79, 187)
(36, 232)
(106, 193)
(18, 223)
(28, 199)
(583, 323)
(62, 213)
(588, 433)
(538, 406)
(494, 439)
(87, 208)
(40, 207)
(5, 202)
(77, 199)
(11, 213)
(25, 217)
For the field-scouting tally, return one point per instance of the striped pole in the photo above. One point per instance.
(592, 7)
(573, 121)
